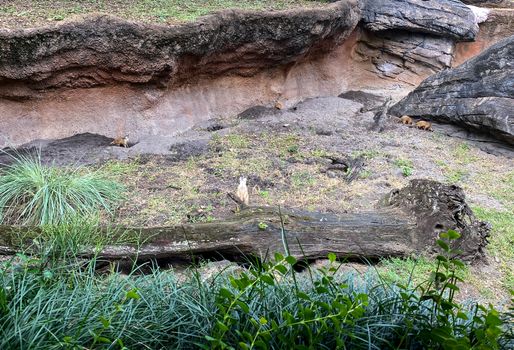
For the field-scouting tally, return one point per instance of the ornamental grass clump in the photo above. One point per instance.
(35, 194)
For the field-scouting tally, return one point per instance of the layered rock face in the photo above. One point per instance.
(498, 24)
(448, 18)
(491, 3)
(411, 39)
(478, 94)
(102, 50)
(113, 77)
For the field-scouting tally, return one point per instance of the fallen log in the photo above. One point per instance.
(407, 222)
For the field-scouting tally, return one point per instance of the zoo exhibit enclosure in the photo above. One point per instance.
(107, 77)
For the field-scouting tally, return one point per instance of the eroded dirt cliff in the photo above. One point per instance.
(112, 77)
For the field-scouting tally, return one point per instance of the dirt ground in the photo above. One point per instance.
(293, 158)
(289, 157)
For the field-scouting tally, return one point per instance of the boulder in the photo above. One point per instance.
(478, 94)
(408, 40)
(394, 53)
(446, 18)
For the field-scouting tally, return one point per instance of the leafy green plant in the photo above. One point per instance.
(293, 149)
(34, 194)
(267, 306)
(405, 166)
(311, 320)
(262, 226)
(436, 320)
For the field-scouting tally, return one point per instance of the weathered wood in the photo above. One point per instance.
(308, 235)
(408, 222)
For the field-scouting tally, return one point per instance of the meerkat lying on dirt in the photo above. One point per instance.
(121, 141)
(424, 125)
(405, 120)
(279, 105)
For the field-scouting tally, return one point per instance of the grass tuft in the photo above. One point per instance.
(34, 194)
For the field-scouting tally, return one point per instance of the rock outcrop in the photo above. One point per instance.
(413, 38)
(395, 54)
(497, 25)
(112, 77)
(479, 94)
(102, 49)
(446, 18)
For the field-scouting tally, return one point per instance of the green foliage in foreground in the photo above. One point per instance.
(44, 306)
(35, 194)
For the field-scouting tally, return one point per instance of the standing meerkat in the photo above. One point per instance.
(121, 141)
(242, 191)
(405, 120)
(424, 125)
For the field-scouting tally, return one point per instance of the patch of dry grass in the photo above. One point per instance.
(285, 167)
(28, 13)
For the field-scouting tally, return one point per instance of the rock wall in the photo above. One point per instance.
(497, 25)
(112, 77)
(409, 40)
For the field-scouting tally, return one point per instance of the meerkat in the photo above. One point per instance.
(424, 125)
(405, 120)
(279, 105)
(242, 191)
(121, 141)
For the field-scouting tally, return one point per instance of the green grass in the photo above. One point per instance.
(405, 165)
(409, 271)
(367, 154)
(462, 154)
(283, 145)
(237, 141)
(501, 245)
(53, 301)
(81, 310)
(265, 307)
(302, 179)
(35, 194)
(456, 175)
(118, 169)
(43, 11)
